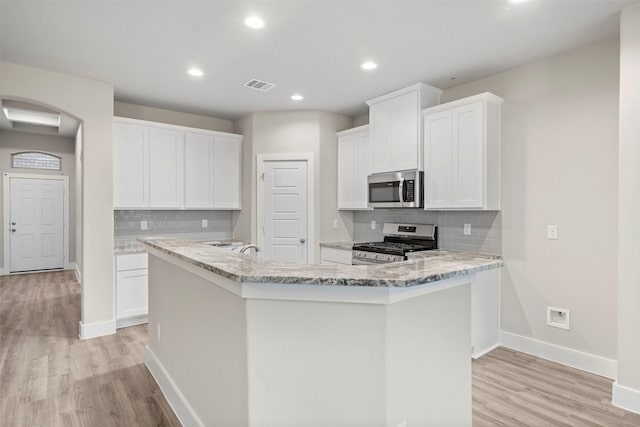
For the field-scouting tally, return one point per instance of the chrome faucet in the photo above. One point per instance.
(247, 247)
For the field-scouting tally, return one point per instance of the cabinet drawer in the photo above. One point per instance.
(131, 262)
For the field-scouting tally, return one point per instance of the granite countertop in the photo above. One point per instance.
(131, 245)
(345, 245)
(439, 265)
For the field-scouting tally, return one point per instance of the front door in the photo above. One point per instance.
(37, 224)
(285, 211)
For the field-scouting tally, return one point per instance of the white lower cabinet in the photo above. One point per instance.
(485, 312)
(132, 289)
(335, 256)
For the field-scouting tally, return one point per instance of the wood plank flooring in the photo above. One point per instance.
(49, 377)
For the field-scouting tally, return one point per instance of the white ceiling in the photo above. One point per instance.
(310, 47)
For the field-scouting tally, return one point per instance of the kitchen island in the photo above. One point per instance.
(236, 340)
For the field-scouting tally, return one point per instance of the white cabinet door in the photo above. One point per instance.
(363, 160)
(166, 168)
(462, 154)
(132, 293)
(198, 173)
(227, 173)
(354, 165)
(405, 127)
(346, 171)
(130, 166)
(381, 133)
(437, 135)
(468, 154)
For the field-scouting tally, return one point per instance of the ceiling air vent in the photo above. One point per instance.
(259, 85)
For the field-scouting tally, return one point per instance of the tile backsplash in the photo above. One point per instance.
(127, 222)
(486, 226)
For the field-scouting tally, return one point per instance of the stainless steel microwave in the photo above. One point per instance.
(401, 189)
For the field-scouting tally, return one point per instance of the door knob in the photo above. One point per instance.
(13, 223)
(302, 240)
(13, 230)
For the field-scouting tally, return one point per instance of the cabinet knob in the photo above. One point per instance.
(302, 240)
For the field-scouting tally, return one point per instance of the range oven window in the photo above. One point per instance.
(384, 192)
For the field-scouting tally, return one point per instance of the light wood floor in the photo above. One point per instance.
(49, 377)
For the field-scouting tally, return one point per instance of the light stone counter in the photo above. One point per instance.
(123, 245)
(433, 266)
(345, 245)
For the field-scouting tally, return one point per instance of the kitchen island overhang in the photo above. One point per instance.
(228, 347)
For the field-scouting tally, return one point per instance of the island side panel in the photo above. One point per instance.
(202, 345)
(316, 363)
(428, 370)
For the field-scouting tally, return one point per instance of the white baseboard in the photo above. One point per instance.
(97, 329)
(625, 397)
(70, 266)
(576, 359)
(132, 321)
(185, 413)
(78, 273)
(478, 354)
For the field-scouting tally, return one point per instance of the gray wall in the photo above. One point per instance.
(629, 206)
(15, 142)
(127, 222)
(141, 112)
(90, 101)
(559, 161)
(294, 132)
(485, 234)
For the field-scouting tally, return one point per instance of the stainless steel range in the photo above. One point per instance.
(399, 239)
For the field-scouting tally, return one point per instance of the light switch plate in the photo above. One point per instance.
(143, 225)
(373, 224)
(467, 229)
(552, 232)
(205, 223)
(335, 223)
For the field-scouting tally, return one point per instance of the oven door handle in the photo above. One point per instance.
(401, 190)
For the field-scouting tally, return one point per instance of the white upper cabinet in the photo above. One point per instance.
(227, 166)
(198, 178)
(158, 166)
(166, 168)
(462, 154)
(396, 127)
(354, 164)
(130, 165)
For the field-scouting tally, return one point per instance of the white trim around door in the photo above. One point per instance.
(6, 202)
(278, 157)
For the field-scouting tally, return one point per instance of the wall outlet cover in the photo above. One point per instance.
(552, 232)
(558, 317)
(335, 223)
(373, 224)
(143, 225)
(205, 223)
(467, 229)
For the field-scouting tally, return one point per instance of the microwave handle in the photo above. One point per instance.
(401, 190)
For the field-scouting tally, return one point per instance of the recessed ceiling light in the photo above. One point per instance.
(32, 117)
(254, 22)
(369, 65)
(297, 97)
(195, 72)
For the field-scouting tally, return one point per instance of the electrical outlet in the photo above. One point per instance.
(467, 229)
(373, 224)
(158, 330)
(205, 223)
(335, 223)
(143, 225)
(552, 232)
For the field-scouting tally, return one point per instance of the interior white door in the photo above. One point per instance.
(37, 224)
(285, 211)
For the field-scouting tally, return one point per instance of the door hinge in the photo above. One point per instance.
(263, 175)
